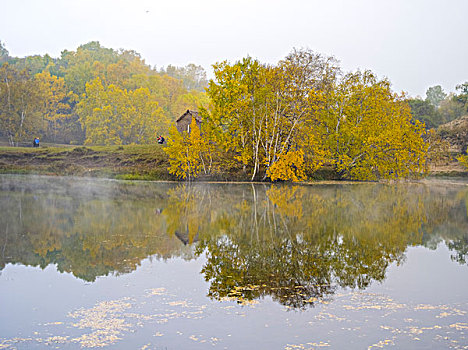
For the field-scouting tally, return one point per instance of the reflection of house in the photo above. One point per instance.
(186, 238)
(184, 121)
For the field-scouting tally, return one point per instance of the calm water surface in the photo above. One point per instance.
(108, 264)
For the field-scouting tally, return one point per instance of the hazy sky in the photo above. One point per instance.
(415, 43)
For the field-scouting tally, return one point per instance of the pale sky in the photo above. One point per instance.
(414, 43)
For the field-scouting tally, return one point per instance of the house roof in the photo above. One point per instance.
(192, 113)
(185, 238)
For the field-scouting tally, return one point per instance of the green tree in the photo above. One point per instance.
(462, 97)
(4, 54)
(192, 76)
(425, 112)
(146, 119)
(463, 159)
(84, 65)
(33, 64)
(450, 109)
(435, 95)
(169, 92)
(122, 73)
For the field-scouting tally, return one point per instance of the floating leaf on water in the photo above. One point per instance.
(459, 326)
(182, 303)
(156, 291)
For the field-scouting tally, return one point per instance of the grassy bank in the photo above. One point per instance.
(132, 162)
(139, 162)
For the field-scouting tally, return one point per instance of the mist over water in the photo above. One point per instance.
(208, 253)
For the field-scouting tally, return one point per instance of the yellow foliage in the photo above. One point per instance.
(288, 167)
(463, 160)
(370, 132)
(53, 97)
(189, 152)
(288, 200)
(114, 116)
(259, 113)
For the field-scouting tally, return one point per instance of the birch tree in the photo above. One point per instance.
(370, 132)
(262, 112)
(19, 105)
(283, 121)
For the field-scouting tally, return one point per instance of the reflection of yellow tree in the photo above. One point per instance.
(298, 243)
(88, 236)
(295, 244)
(187, 211)
(288, 200)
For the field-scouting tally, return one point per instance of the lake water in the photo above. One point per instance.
(88, 263)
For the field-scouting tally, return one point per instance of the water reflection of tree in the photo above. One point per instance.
(298, 244)
(89, 230)
(457, 241)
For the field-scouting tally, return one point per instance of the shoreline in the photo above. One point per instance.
(150, 163)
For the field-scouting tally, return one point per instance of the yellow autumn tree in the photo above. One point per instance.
(287, 120)
(54, 97)
(189, 152)
(262, 112)
(370, 132)
(20, 105)
(463, 159)
(113, 116)
(289, 166)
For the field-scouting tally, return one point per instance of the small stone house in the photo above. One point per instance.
(184, 121)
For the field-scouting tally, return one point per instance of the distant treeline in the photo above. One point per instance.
(439, 107)
(94, 95)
